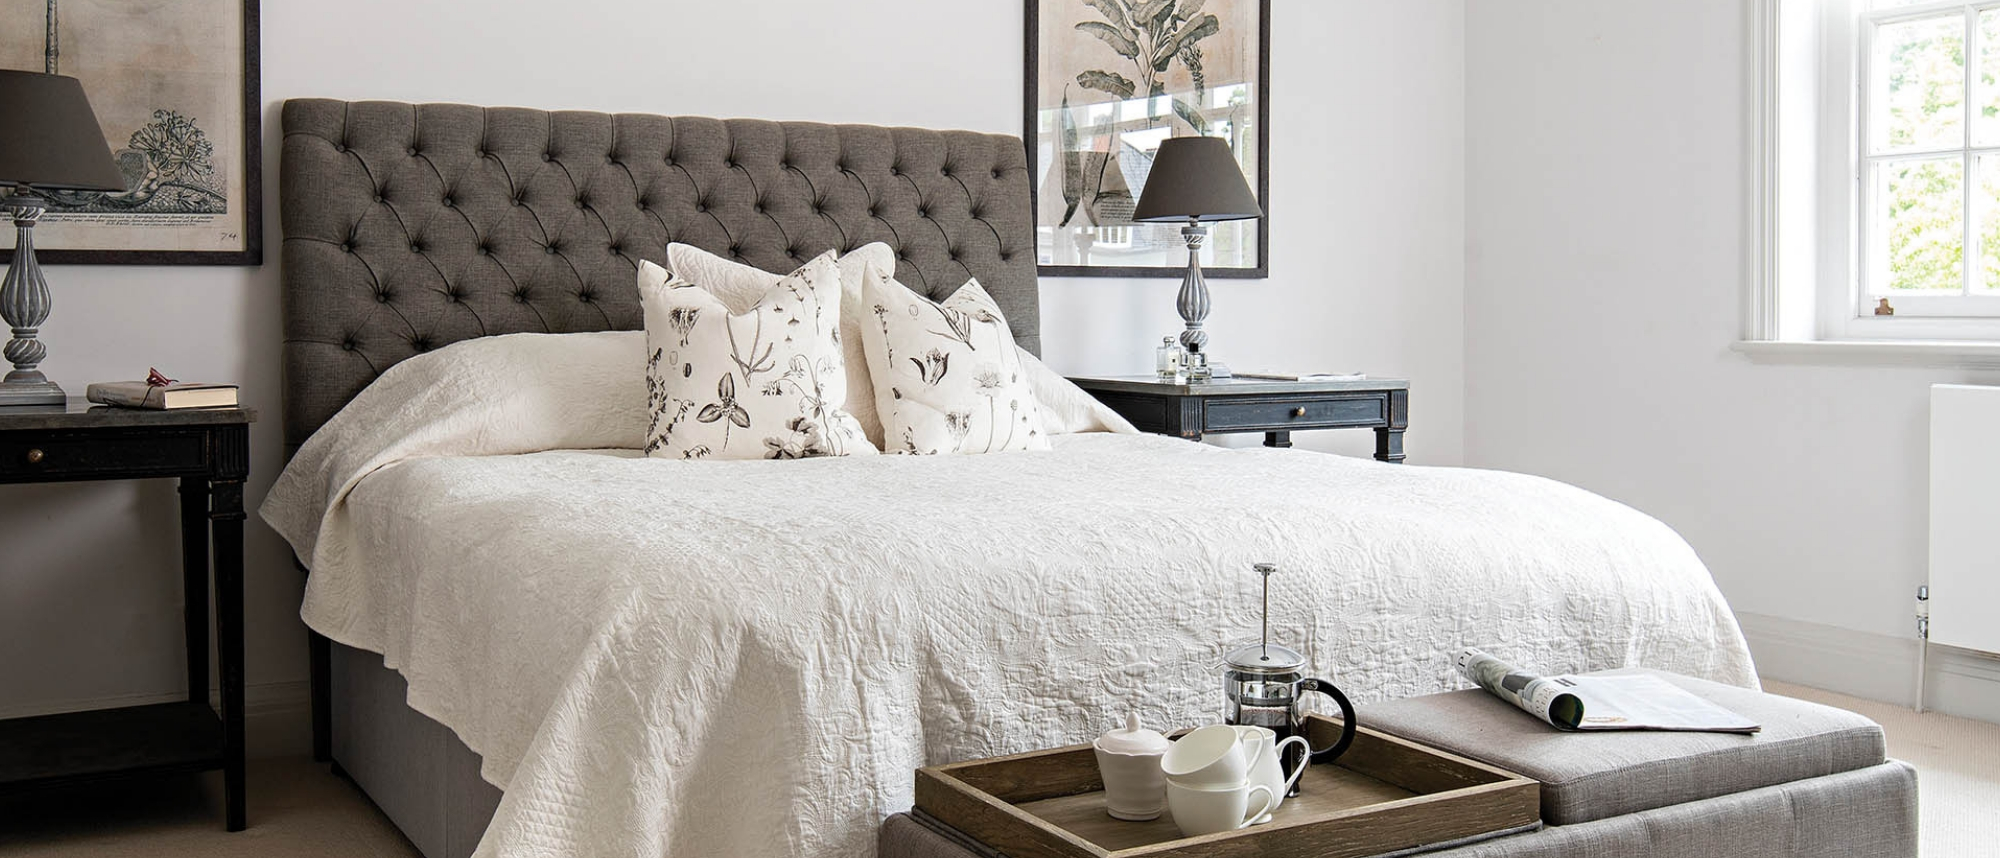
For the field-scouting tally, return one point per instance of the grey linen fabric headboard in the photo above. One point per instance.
(408, 227)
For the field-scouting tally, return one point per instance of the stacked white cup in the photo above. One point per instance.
(1214, 778)
(1262, 744)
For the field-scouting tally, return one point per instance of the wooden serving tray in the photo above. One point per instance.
(1385, 794)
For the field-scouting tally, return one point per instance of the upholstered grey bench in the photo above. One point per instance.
(1815, 782)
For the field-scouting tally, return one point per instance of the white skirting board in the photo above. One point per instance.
(1878, 667)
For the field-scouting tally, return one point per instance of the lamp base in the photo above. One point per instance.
(24, 305)
(14, 393)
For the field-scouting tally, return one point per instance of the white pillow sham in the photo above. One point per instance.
(742, 285)
(763, 381)
(948, 377)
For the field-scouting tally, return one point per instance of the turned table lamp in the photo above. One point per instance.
(1195, 179)
(49, 139)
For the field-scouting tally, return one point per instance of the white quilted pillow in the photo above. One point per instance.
(948, 377)
(763, 381)
(741, 285)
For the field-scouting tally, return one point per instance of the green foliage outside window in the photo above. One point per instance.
(1921, 66)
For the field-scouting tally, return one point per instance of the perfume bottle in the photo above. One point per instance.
(1195, 366)
(1172, 359)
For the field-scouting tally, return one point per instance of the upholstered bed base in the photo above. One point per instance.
(422, 777)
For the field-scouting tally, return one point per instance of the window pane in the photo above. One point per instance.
(1896, 4)
(1917, 237)
(1986, 119)
(1917, 93)
(1987, 203)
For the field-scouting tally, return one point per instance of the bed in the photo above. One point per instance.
(545, 643)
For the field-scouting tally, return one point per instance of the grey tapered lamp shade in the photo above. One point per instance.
(1196, 178)
(49, 138)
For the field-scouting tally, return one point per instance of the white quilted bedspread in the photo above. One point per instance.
(749, 658)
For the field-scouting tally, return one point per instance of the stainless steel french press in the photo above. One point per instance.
(1262, 684)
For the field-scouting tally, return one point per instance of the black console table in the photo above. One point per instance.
(1275, 408)
(209, 450)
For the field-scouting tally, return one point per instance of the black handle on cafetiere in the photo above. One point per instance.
(1346, 719)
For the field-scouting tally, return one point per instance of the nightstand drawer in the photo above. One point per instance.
(82, 456)
(1282, 414)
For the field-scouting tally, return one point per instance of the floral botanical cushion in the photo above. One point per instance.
(762, 381)
(740, 285)
(948, 377)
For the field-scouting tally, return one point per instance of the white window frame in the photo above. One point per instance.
(1807, 189)
(1967, 303)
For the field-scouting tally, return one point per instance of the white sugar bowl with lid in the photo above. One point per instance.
(1128, 758)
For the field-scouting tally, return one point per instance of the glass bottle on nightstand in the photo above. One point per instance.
(1172, 359)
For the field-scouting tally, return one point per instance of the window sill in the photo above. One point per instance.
(1931, 353)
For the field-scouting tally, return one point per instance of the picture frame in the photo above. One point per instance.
(175, 83)
(1077, 90)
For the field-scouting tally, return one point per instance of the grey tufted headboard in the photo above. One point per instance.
(412, 226)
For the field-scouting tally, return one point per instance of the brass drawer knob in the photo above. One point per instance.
(1299, 411)
(35, 456)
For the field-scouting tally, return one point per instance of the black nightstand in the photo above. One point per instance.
(1275, 408)
(209, 450)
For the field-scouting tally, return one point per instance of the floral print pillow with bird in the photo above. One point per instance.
(765, 381)
(947, 376)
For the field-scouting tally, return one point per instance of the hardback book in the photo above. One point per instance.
(139, 394)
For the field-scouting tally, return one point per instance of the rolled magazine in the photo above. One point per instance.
(1572, 702)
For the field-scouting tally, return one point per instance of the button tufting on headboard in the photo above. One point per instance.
(512, 181)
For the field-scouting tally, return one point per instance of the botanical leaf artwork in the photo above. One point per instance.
(758, 362)
(932, 367)
(1147, 38)
(802, 441)
(1104, 81)
(169, 168)
(1151, 35)
(990, 387)
(1085, 170)
(959, 325)
(666, 409)
(168, 163)
(959, 424)
(683, 319)
(1072, 163)
(725, 405)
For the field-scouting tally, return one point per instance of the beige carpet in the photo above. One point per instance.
(1958, 770)
(299, 810)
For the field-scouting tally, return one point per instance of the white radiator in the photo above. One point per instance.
(1965, 518)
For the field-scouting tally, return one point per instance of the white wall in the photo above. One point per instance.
(1604, 286)
(1367, 186)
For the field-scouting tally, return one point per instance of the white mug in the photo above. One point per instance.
(1269, 768)
(1200, 811)
(1212, 756)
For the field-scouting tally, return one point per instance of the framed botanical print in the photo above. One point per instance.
(174, 84)
(1107, 80)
